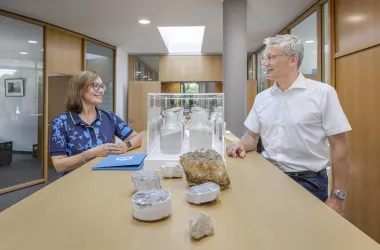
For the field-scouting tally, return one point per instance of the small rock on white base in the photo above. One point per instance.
(171, 170)
(151, 205)
(145, 180)
(201, 226)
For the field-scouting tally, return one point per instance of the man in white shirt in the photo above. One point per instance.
(297, 119)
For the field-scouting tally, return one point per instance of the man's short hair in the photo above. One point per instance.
(290, 45)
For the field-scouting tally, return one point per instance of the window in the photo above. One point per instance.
(146, 68)
(189, 88)
(306, 30)
(261, 75)
(101, 60)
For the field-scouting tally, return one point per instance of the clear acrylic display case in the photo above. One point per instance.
(180, 123)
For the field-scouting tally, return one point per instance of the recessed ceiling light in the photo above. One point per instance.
(17, 61)
(31, 41)
(309, 41)
(183, 39)
(23, 53)
(138, 72)
(144, 21)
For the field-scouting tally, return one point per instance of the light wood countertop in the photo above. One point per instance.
(263, 209)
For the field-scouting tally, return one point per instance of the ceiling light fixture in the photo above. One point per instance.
(355, 18)
(309, 41)
(31, 41)
(17, 61)
(23, 53)
(144, 21)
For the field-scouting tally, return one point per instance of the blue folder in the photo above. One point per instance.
(121, 162)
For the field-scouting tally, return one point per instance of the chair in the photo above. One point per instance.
(6, 152)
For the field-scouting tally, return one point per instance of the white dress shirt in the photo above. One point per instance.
(294, 124)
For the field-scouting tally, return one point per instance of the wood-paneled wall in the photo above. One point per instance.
(58, 86)
(358, 89)
(63, 53)
(191, 68)
(138, 102)
(131, 68)
(357, 31)
(219, 87)
(171, 87)
(357, 25)
(251, 94)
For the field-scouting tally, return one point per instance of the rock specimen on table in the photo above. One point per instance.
(171, 170)
(203, 193)
(145, 180)
(201, 226)
(205, 166)
(151, 205)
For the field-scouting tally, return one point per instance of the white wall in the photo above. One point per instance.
(21, 128)
(121, 94)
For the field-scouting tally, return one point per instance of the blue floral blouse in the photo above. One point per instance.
(71, 136)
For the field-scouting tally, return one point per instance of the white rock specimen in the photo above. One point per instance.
(145, 180)
(171, 170)
(201, 226)
(203, 193)
(151, 205)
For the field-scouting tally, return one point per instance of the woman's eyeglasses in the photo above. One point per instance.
(96, 86)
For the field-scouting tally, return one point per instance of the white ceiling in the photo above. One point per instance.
(116, 21)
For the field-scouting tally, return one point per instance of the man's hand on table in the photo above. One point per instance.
(236, 150)
(336, 204)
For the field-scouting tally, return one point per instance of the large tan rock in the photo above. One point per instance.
(205, 166)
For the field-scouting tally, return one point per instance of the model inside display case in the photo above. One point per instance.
(180, 123)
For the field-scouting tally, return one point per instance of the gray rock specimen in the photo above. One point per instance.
(205, 166)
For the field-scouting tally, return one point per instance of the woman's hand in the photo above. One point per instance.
(123, 147)
(104, 150)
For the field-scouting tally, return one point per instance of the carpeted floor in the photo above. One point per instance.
(23, 169)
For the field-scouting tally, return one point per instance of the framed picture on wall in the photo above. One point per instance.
(14, 87)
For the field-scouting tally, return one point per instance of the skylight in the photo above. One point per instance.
(183, 39)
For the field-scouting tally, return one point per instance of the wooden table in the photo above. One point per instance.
(263, 209)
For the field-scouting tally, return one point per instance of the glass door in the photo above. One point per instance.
(21, 102)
